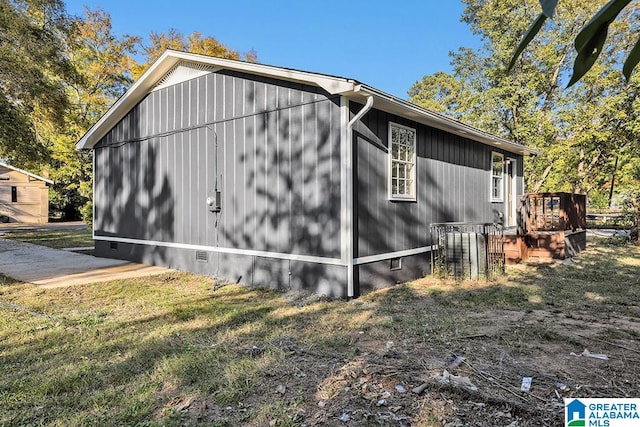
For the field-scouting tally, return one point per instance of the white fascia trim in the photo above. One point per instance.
(397, 254)
(29, 174)
(430, 118)
(277, 255)
(170, 58)
(333, 85)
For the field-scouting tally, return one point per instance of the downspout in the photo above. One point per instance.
(349, 189)
(361, 113)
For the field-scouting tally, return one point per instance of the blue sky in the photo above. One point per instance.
(388, 45)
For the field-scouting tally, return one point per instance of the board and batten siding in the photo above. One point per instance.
(452, 185)
(32, 205)
(270, 147)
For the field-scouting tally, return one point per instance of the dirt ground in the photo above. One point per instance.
(377, 388)
(399, 383)
(568, 347)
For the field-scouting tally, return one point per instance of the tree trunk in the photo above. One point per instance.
(584, 183)
(553, 84)
(543, 178)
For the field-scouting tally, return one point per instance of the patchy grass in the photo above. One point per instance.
(74, 238)
(175, 350)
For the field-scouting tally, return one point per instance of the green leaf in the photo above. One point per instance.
(588, 55)
(529, 35)
(548, 7)
(631, 61)
(603, 18)
(591, 38)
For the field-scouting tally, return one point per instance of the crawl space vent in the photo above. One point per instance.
(202, 256)
(113, 246)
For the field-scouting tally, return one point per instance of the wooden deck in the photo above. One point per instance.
(544, 246)
(552, 227)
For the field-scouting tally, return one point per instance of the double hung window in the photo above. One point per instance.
(402, 162)
(497, 177)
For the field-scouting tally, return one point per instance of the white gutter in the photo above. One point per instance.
(348, 188)
(418, 114)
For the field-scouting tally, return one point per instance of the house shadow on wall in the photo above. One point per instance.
(288, 191)
(133, 201)
(451, 173)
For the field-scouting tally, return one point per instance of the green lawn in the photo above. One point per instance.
(76, 238)
(177, 350)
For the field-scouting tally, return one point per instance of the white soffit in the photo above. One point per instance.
(176, 67)
(400, 107)
(184, 71)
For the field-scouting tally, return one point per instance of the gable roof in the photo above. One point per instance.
(32, 175)
(173, 66)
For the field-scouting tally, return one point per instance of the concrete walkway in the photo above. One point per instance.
(55, 268)
(16, 226)
(605, 232)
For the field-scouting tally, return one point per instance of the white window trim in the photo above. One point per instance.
(501, 198)
(396, 197)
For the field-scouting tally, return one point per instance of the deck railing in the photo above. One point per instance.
(553, 212)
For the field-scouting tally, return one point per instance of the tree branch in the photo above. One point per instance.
(543, 178)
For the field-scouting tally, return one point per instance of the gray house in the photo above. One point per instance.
(284, 178)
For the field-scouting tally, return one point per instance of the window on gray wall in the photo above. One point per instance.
(14, 194)
(402, 162)
(497, 177)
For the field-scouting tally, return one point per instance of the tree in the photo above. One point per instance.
(439, 92)
(58, 75)
(589, 42)
(580, 131)
(102, 62)
(194, 43)
(32, 94)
